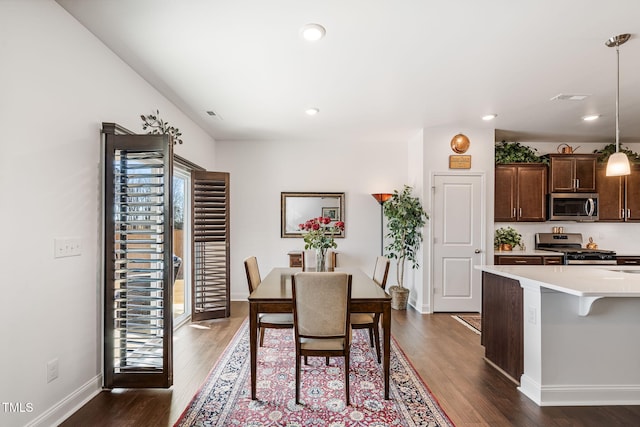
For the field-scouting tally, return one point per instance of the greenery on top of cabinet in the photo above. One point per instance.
(514, 152)
(611, 148)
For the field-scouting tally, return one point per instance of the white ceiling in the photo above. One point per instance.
(385, 69)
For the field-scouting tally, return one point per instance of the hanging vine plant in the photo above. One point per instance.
(514, 152)
(611, 148)
(157, 126)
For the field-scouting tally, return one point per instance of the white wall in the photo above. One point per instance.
(260, 171)
(437, 149)
(416, 280)
(57, 84)
(624, 238)
(358, 169)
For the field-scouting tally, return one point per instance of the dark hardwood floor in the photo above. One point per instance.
(445, 353)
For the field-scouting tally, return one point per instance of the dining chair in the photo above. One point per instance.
(381, 271)
(371, 321)
(265, 320)
(331, 259)
(309, 259)
(321, 309)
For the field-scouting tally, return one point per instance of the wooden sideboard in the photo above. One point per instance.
(295, 259)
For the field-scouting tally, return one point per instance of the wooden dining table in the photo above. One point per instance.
(274, 296)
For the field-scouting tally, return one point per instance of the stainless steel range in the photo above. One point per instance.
(570, 244)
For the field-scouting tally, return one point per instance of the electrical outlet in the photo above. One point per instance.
(67, 246)
(52, 370)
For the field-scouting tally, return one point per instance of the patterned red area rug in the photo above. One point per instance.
(224, 399)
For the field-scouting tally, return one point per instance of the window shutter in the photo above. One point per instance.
(138, 260)
(210, 222)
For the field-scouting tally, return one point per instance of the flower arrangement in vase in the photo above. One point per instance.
(319, 235)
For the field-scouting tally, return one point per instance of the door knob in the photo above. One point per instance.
(478, 251)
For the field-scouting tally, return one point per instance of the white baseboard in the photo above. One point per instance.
(66, 407)
(422, 309)
(580, 395)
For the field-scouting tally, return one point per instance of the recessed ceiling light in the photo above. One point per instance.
(488, 117)
(311, 111)
(312, 32)
(591, 117)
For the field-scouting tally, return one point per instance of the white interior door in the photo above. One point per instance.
(458, 224)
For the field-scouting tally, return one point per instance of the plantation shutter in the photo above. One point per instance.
(210, 226)
(138, 259)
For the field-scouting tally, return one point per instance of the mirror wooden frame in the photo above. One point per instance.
(319, 205)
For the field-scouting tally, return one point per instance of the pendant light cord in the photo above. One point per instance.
(618, 98)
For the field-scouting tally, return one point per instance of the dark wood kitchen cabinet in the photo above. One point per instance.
(517, 260)
(527, 260)
(619, 196)
(572, 173)
(628, 260)
(520, 192)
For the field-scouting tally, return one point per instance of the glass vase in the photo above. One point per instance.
(321, 259)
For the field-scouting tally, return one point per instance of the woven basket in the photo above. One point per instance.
(399, 297)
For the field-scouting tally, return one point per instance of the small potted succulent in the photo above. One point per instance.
(506, 238)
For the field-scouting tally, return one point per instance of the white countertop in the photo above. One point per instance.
(582, 281)
(528, 252)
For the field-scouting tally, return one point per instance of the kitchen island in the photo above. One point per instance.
(569, 334)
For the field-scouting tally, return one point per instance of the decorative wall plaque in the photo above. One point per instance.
(460, 162)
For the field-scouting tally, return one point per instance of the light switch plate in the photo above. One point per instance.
(67, 246)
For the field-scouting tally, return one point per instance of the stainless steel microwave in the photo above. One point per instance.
(573, 206)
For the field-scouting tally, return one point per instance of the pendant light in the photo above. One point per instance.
(618, 164)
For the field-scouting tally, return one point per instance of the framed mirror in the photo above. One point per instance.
(296, 208)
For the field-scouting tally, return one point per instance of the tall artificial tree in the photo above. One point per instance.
(405, 219)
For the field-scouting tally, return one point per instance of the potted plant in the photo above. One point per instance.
(608, 150)
(514, 152)
(506, 238)
(405, 219)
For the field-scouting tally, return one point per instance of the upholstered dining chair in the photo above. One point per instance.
(381, 271)
(309, 259)
(370, 321)
(321, 319)
(265, 320)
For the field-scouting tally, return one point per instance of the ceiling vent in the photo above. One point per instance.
(570, 97)
(214, 114)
